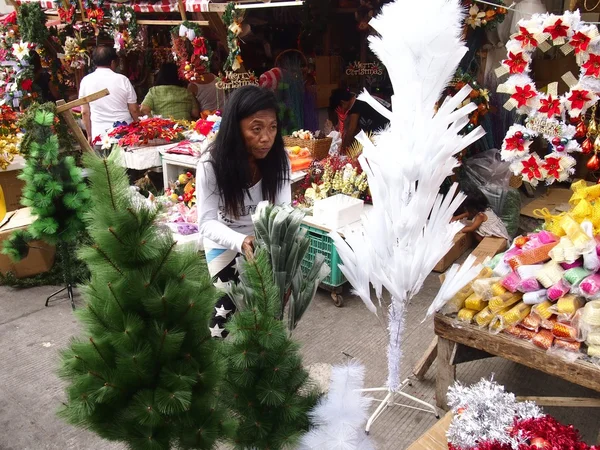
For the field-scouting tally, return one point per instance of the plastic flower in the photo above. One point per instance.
(316, 192)
(20, 50)
(475, 17)
(485, 94)
(237, 63)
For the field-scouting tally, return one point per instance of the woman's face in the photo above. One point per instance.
(259, 131)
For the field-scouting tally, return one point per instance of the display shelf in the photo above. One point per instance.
(173, 165)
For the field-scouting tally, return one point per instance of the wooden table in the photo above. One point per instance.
(464, 343)
(435, 437)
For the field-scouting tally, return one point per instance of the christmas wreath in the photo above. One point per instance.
(479, 95)
(190, 51)
(32, 23)
(484, 16)
(547, 112)
(232, 20)
(124, 29)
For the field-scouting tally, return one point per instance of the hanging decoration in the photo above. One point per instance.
(124, 30)
(480, 15)
(75, 51)
(547, 113)
(358, 68)
(233, 80)
(233, 22)
(9, 137)
(32, 23)
(67, 15)
(95, 16)
(190, 51)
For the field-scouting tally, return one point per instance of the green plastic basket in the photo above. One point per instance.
(323, 244)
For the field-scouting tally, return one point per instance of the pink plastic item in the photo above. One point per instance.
(530, 285)
(511, 253)
(572, 265)
(558, 290)
(591, 285)
(511, 282)
(546, 237)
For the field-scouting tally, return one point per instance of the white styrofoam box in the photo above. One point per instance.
(337, 211)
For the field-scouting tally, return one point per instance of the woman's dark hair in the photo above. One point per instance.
(338, 96)
(104, 56)
(229, 156)
(168, 76)
(476, 201)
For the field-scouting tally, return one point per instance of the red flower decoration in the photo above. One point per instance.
(526, 38)
(10, 19)
(523, 94)
(552, 166)
(531, 168)
(592, 66)
(515, 62)
(199, 46)
(550, 106)
(580, 42)
(95, 15)
(26, 84)
(579, 98)
(512, 143)
(557, 30)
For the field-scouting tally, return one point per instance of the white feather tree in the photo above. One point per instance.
(340, 416)
(408, 230)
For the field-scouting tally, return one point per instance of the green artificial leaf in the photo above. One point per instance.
(172, 402)
(44, 118)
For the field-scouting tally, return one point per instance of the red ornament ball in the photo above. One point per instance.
(587, 147)
(518, 135)
(556, 141)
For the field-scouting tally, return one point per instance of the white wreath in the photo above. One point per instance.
(547, 113)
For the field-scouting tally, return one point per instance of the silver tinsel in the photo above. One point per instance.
(485, 412)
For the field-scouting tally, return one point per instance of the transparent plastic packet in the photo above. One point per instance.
(514, 316)
(511, 282)
(520, 332)
(566, 307)
(535, 297)
(457, 302)
(590, 287)
(466, 315)
(532, 322)
(543, 339)
(550, 274)
(499, 302)
(566, 350)
(483, 287)
(558, 290)
(475, 302)
(530, 285)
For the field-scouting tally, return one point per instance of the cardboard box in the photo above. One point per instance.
(435, 437)
(555, 200)
(328, 69)
(41, 255)
(489, 246)
(323, 94)
(462, 243)
(12, 188)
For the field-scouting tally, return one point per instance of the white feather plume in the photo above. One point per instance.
(408, 230)
(456, 278)
(341, 415)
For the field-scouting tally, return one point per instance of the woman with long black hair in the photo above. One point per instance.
(247, 164)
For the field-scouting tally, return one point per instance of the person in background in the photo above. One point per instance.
(43, 81)
(246, 165)
(121, 103)
(484, 221)
(353, 116)
(205, 93)
(169, 97)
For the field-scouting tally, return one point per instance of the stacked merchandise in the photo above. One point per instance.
(546, 287)
(488, 418)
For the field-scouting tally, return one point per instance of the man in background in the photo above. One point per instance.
(121, 103)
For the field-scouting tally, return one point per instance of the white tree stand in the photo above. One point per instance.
(389, 401)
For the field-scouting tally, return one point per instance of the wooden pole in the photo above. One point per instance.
(81, 101)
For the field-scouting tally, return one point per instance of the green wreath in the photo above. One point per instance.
(32, 23)
(124, 29)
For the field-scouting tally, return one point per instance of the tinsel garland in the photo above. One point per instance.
(488, 418)
(232, 21)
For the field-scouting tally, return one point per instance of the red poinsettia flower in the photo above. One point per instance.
(515, 62)
(531, 168)
(579, 98)
(26, 84)
(550, 106)
(523, 94)
(592, 66)
(526, 38)
(512, 143)
(199, 46)
(10, 19)
(580, 42)
(557, 30)
(552, 166)
(95, 15)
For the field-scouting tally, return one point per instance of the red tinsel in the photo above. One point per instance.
(540, 433)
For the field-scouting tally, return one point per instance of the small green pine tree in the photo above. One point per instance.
(54, 186)
(146, 370)
(266, 386)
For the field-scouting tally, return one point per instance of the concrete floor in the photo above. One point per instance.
(30, 392)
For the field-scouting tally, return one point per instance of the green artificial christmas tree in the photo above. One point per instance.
(266, 387)
(145, 371)
(54, 189)
(279, 232)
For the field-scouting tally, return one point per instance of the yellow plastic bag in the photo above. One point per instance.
(552, 222)
(2, 205)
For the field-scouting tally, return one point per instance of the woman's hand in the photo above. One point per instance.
(248, 246)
